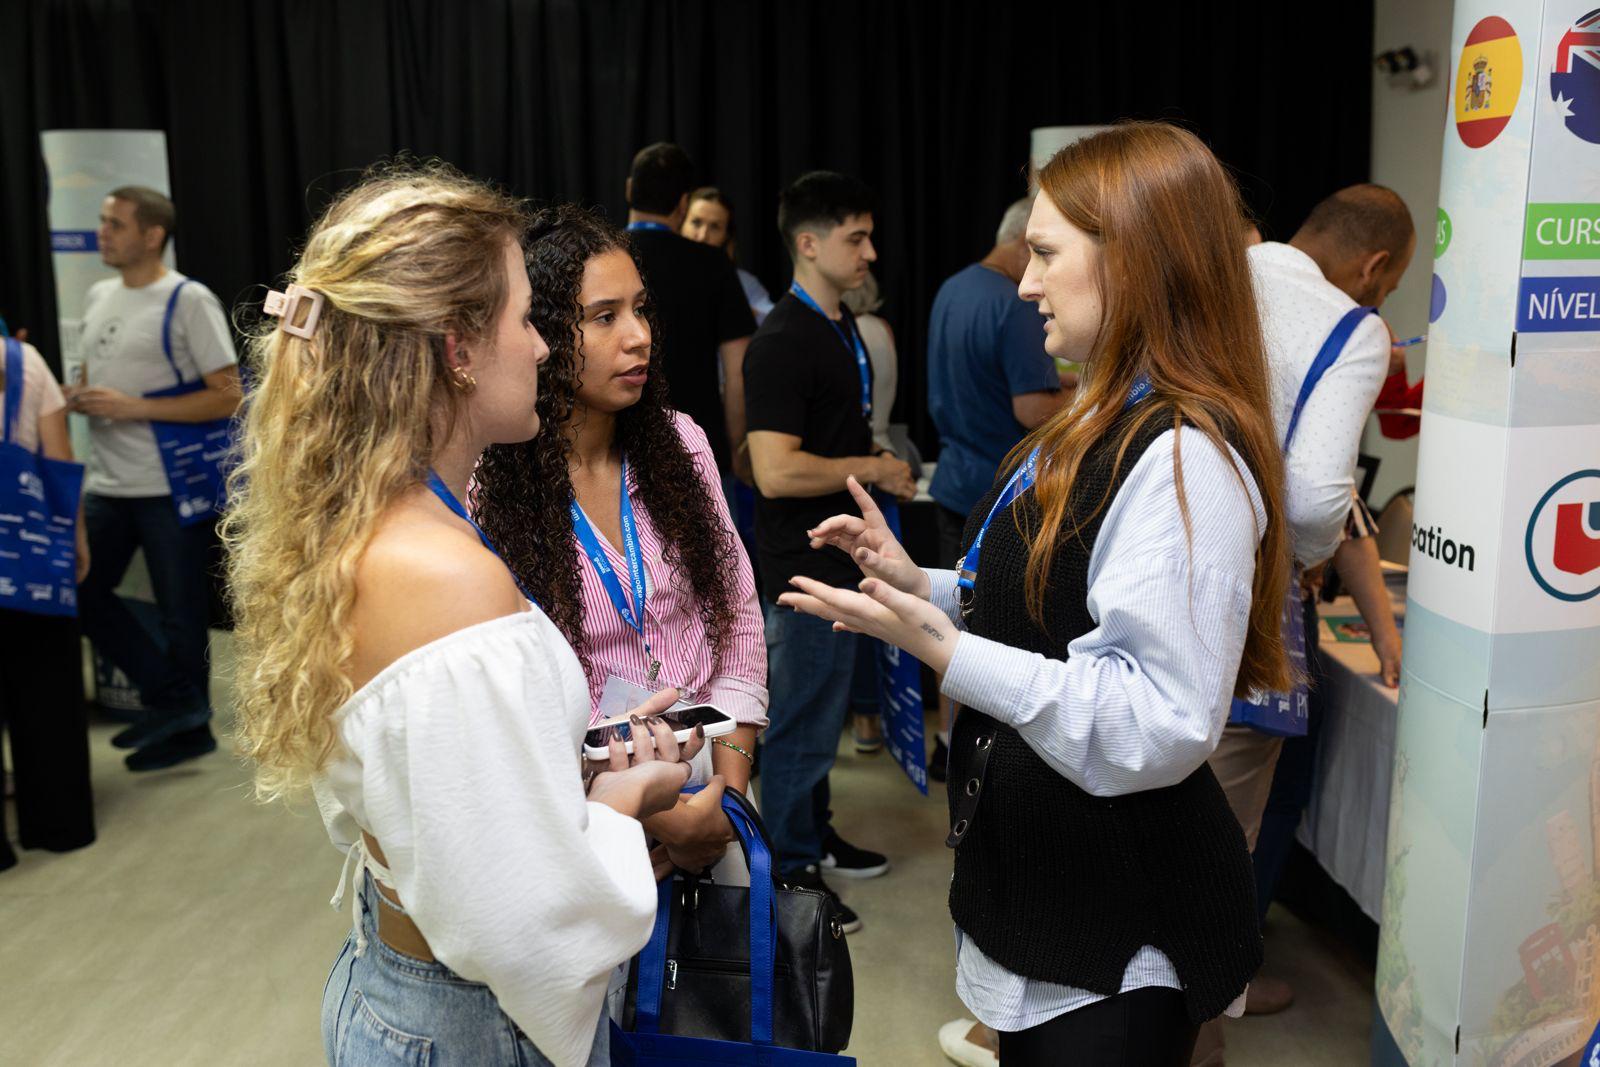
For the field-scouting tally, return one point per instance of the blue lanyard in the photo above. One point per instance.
(608, 577)
(852, 344)
(443, 492)
(635, 227)
(1021, 481)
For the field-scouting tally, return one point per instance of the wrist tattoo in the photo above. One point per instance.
(929, 629)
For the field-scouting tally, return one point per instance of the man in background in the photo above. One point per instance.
(808, 388)
(142, 335)
(704, 323)
(989, 383)
(1350, 252)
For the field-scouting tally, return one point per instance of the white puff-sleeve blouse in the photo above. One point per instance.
(462, 759)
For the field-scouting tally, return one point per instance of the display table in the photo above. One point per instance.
(1346, 825)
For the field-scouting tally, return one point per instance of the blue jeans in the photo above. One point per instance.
(171, 672)
(386, 1008)
(809, 673)
(865, 693)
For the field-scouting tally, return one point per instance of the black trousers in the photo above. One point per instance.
(171, 668)
(41, 706)
(1141, 1028)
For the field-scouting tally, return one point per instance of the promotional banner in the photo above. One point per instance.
(81, 167)
(1489, 948)
(900, 691)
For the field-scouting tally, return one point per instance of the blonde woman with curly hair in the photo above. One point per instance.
(389, 659)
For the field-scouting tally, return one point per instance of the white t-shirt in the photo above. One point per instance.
(1299, 308)
(122, 350)
(41, 396)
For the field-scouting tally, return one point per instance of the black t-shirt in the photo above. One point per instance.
(800, 379)
(699, 304)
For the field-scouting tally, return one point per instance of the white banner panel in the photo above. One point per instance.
(1456, 525)
(82, 167)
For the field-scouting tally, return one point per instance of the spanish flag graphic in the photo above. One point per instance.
(1487, 81)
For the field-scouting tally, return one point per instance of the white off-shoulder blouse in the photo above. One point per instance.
(462, 760)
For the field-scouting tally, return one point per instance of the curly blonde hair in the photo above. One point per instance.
(338, 427)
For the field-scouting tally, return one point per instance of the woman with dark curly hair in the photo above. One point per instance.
(623, 471)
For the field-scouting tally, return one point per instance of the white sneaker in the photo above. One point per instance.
(954, 1044)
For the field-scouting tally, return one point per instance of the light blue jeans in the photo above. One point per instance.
(386, 1008)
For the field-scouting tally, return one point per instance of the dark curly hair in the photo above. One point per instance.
(524, 491)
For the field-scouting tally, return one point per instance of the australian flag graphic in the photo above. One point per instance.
(1575, 83)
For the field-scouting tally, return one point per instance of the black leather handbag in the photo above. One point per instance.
(697, 974)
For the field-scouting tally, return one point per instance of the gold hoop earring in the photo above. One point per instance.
(463, 381)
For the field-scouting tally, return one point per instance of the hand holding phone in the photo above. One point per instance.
(666, 729)
(642, 779)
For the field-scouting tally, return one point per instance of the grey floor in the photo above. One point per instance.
(197, 931)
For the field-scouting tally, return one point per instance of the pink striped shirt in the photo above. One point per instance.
(671, 619)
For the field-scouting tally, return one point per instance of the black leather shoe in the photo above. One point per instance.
(846, 860)
(158, 726)
(179, 748)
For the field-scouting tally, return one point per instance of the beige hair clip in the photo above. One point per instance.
(297, 310)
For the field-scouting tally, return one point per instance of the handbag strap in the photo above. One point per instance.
(166, 327)
(652, 964)
(13, 385)
(1326, 355)
(653, 957)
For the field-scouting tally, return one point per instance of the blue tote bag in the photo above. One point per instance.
(38, 516)
(1286, 714)
(646, 1046)
(194, 454)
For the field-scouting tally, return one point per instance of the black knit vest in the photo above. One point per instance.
(1051, 882)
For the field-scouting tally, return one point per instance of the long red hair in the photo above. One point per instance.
(1180, 309)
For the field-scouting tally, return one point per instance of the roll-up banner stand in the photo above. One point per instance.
(82, 167)
(1489, 948)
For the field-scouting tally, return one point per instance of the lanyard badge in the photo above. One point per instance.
(852, 344)
(442, 491)
(1021, 481)
(632, 614)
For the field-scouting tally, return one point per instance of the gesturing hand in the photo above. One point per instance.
(869, 542)
(880, 611)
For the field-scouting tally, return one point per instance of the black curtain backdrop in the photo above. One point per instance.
(270, 108)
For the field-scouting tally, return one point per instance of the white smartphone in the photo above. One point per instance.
(683, 718)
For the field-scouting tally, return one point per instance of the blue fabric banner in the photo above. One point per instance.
(900, 691)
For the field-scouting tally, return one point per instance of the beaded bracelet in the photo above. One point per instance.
(736, 748)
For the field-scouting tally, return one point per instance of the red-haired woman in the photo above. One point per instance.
(1121, 582)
